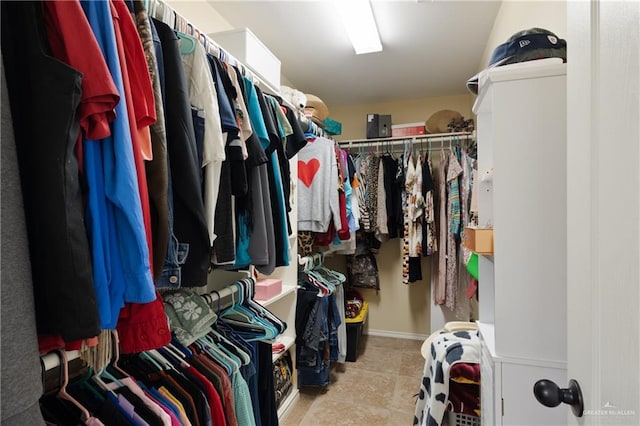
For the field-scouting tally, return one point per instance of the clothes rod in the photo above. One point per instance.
(52, 359)
(399, 140)
(219, 300)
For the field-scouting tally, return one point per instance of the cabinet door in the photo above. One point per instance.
(520, 405)
(490, 402)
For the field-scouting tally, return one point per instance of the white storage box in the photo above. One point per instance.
(243, 45)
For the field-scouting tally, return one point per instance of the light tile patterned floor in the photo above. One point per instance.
(378, 389)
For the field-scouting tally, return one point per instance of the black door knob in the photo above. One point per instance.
(549, 394)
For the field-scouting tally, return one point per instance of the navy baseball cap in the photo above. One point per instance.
(527, 45)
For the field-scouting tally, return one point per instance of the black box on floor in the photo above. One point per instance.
(354, 332)
(378, 126)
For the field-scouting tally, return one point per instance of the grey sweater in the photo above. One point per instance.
(318, 201)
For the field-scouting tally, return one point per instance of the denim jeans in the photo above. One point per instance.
(334, 323)
(176, 252)
(314, 376)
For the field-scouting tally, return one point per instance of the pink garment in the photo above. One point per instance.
(174, 420)
(440, 280)
(149, 403)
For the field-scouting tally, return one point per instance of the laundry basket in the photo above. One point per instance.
(463, 393)
(459, 419)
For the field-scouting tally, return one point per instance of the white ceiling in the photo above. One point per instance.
(430, 48)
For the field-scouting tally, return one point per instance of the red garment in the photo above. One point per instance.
(143, 103)
(73, 42)
(131, 61)
(343, 232)
(229, 405)
(143, 326)
(215, 403)
(51, 342)
(464, 389)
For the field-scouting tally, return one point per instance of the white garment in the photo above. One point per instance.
(415, 205)
(474, 192)
(342, 328)
(203, 96)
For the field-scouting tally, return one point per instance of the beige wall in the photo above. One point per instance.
(397, 308)
(202, 15)
(515, 16)
(353, 117)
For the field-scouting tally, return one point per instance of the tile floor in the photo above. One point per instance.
(377, 389)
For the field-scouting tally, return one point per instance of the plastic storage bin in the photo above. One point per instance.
(354, 332)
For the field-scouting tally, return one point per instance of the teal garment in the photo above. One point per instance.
(280, 187)
(242, 400)
(243, 237)
(255, 114)
(453, 172)
(283, 209)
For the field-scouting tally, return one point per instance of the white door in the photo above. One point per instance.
(603, 207)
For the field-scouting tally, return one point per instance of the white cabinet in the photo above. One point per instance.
(521, 111)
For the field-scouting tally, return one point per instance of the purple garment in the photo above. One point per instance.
(130, 410)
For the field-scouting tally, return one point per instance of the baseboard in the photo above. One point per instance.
(287, 404)
(396, 334)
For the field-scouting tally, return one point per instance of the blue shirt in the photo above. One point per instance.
(255, 114)
(115, 211)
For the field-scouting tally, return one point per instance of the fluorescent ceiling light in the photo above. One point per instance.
(357, 18)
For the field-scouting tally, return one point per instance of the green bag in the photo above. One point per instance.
(472, 266)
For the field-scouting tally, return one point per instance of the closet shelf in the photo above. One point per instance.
(286, 290)
(287, 341)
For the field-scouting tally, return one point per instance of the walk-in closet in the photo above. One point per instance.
(357, 212)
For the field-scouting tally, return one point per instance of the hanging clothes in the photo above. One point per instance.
(369, 171)
(317, 322)
(204, 98)
(406, 160)
(439, 280)
(393, 193)
(453, 229)
(156, 167)
(317, 171)
(382, 228)
(21, 380)
(44, 96)
(190, 224)
(430, 233)
(415, 207)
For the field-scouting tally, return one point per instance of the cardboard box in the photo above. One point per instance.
(478, 240)
(408, 129)
(267, 288)
(243, 45)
